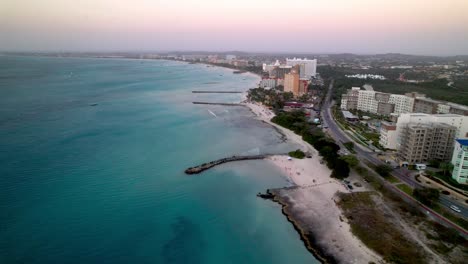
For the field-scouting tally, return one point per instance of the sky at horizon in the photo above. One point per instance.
(434, 27)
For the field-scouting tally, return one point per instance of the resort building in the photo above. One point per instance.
(280, 71)
(291, 82)
(421, 143)
(307, 68)
(239, 63)
(269, 67)
(270, 82)
(460, 161)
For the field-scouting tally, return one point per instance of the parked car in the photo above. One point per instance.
(456, 209)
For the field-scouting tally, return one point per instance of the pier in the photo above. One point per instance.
(211, 164)
(228, 92)
(214, 103)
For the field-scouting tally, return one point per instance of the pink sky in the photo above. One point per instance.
(360, 26)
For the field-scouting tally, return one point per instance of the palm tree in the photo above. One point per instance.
(446, 166)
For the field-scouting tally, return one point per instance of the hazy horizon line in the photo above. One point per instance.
(230, 51)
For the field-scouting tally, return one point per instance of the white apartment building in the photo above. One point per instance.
(403, 103)
(460, 161)
(367, 102)
(385, 103)
(388, 135)
(271, 83)
(443, 109)
(458, 121)
(307, 68)
(269, 67)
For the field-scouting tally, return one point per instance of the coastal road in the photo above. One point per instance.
(340, 136)
(446, 201)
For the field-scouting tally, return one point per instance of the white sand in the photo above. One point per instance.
(264, 114)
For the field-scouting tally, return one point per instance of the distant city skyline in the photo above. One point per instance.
(297, 26)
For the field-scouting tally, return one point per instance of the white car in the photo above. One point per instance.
(456, 209)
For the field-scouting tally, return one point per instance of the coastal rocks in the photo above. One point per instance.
(316, 218)
(266, 196)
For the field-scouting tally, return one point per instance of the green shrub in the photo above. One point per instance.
(298, 154)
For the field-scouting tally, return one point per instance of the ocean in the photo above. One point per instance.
(92, 160)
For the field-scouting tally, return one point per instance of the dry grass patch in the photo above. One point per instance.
(378, 230)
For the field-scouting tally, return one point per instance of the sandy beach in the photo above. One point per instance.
(264, 114)
(311, 204)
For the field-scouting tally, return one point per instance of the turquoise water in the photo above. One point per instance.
(105, 183)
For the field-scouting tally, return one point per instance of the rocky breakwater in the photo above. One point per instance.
(211, 164)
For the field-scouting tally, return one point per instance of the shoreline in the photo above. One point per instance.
(307, 239)
(265, 115)
(310, 205)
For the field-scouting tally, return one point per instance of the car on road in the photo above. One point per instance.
(456, 209)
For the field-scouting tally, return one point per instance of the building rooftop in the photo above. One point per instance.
(447, 115)
(348, 114)
(430, 125)
(427, 99)
(463, 142)
(415, 114)
(458, 106)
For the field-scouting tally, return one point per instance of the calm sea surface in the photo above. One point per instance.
(92, 154)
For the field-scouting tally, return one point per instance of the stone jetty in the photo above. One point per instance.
(214, 103)
(216, 92)
(211, 164)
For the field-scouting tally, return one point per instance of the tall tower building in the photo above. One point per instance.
(291, 81)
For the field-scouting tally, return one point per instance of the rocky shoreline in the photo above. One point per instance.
(307, 237)
(322, 228)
